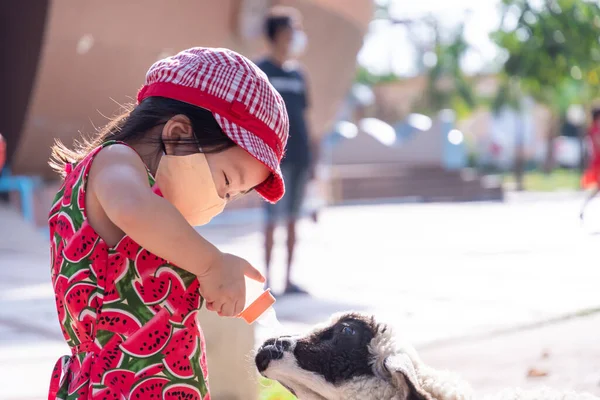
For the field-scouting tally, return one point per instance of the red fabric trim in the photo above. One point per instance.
(196, 97)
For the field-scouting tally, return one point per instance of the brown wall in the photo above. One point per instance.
(95, 56)
(21, 33)
(75, 89)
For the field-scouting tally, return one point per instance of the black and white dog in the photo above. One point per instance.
(355, 357)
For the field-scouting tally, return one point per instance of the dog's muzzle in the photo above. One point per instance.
(271, 350)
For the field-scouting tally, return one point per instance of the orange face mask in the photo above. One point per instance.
(187, 183)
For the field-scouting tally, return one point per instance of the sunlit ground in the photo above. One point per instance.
(434, 272)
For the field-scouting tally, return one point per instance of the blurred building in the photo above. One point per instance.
(491, 137)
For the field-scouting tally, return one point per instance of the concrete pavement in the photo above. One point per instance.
(438, 270)
(566, 355)
(445, 275)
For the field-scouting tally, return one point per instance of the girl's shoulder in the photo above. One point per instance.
(116, 158)
(117, 151)
(114, 146)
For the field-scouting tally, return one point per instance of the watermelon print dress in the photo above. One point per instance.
(129, 316)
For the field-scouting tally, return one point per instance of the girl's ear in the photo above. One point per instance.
(176, 129)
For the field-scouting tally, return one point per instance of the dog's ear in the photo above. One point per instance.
(400, 368)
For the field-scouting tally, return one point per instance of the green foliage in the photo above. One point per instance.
(448, 87)
(538, 181)
(366, 77)
(553, 51)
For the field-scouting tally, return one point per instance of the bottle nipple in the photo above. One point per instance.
(269, 321)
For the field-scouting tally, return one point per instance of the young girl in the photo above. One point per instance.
(129, 271)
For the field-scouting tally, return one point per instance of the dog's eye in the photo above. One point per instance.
(347, 330)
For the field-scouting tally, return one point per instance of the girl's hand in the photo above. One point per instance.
(223, 286)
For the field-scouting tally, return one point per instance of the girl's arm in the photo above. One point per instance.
(119, 180)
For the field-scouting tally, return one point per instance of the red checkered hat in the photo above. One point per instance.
(238, 93)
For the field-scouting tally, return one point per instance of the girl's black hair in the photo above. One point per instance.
(595, 113)
(134, 123)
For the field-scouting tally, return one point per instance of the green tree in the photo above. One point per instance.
(448, 86)
(364, 76)
(552, 52)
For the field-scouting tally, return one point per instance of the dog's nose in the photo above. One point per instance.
(282, 342)
(272, 349)
(266, 354)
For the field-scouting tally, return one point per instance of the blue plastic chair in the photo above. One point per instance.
(25, 186)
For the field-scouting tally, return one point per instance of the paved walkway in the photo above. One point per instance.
(446, 276)
(567, 354)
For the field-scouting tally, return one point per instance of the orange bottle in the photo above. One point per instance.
(259, 305)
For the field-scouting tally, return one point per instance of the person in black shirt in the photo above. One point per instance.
(286, 41)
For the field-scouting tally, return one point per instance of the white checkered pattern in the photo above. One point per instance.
(245, 105)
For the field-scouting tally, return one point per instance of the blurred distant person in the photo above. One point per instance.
(591, 176)
(286, 41)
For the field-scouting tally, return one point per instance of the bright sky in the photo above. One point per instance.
(387, 45)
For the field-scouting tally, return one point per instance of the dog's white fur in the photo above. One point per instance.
(304, 383)
(397, 369)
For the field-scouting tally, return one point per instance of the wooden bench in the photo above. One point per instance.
(362, 182)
